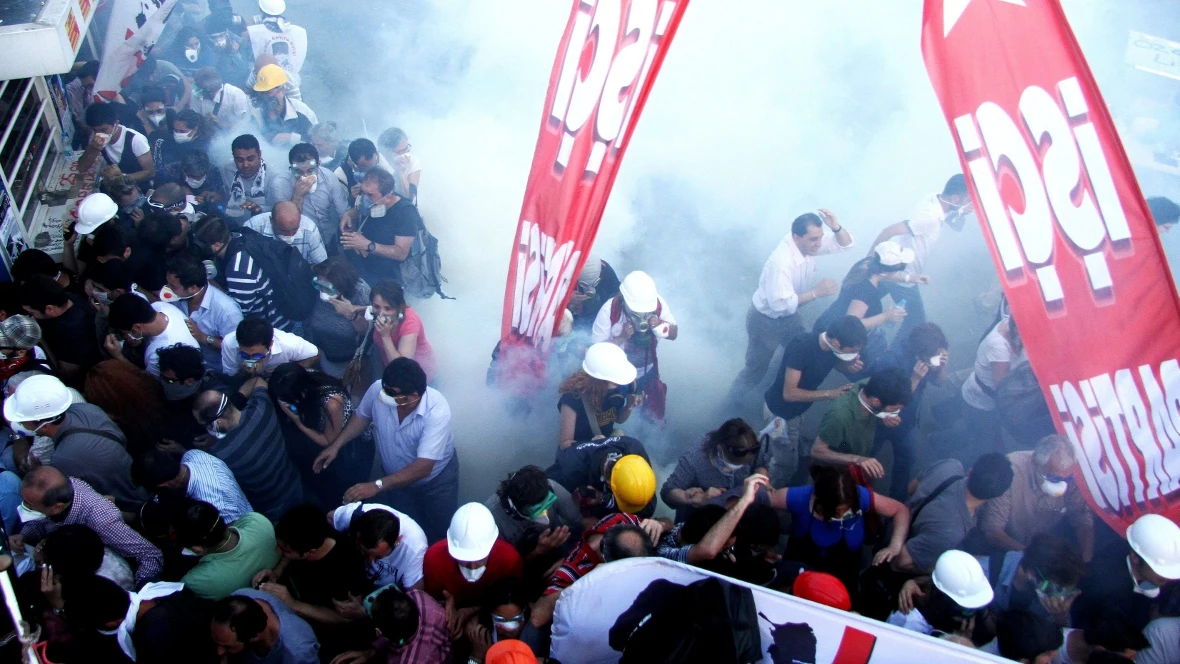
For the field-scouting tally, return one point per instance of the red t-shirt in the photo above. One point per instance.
(423, 352)
(442, 573)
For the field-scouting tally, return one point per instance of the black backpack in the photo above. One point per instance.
(290, 276)
(710, 620)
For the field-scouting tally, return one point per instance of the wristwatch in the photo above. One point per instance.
(380, 484)
(372, 247)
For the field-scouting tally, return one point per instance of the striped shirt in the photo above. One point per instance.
(307, 240)
(432, 641)
(250, 287)
(256, 454)
(100, 515)
(211, 481)
(583, 559)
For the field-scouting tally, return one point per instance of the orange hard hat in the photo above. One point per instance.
(823, 589)
(510, 651)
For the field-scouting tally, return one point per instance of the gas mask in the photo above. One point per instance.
(191, 54)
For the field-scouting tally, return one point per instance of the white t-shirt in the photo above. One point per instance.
(176, 333)
(232, 104)
(995, 348)
(404, 565)
(382, 163)
(925, 226)
(114, 147)
(286, 347)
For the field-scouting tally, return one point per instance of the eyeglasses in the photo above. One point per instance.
(399, 399)
(501, 620)
(406, 150)
(253, 356)
(741, 452)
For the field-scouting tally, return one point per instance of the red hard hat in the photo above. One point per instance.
(823, 589)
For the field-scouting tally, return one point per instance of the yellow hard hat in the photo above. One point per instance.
(269, 78)
(633, 483)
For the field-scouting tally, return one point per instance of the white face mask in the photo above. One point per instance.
(846, 357)
(194, 183)
(384, 398)
(28, 514)
(190, 54)
(157, 118)
(369, 315)
(102, 139)
(541, 520)
(1054, 489)
(182, 137)
(214, 431)
(325, 297)
(935, 361)
(289, 239)
(472, 575)
(881, 415)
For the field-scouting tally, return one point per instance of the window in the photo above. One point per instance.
(28, 146)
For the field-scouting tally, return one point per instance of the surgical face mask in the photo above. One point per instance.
(190, 54)
(730, 467)
(103, 139)
(194, 183)
(472, 575)
(289, 239)
(214, 431)
(182, 137)
(1054, 489)
(157, 118)
(935, 361)
(846, 357)
(391, 402)
(28, 514)
(180, 391)
(881, 415)
(541, 520)
(369, 315)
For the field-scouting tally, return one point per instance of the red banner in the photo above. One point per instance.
(606, 64)
(1077, 251)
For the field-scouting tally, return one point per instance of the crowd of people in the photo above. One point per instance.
(227, 443)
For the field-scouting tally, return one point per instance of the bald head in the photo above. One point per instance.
(285, 218)
(47, 490)
(168, 194)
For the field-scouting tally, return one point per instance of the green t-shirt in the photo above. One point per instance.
(218, 575)
(846, 428)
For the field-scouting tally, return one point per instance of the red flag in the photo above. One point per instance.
(605, 67)
(1075, 245)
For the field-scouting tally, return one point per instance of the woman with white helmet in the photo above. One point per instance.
(952, 600)
(597, 398)
(636, 319)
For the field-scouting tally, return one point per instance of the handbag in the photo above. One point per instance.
(356, 374)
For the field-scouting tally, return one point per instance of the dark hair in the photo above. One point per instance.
(849, 331)
(129, 309)
(205, 407)
(185, 361)
(526, 487)
(89, 70)
(406, 375)
(804, 223)
(373, 527)
(245, 142)
(207, 78)
(303, 528)
(699, 522)
(10, 299)
(339, 272)
(616, 545)
(946, 615)
(304, 389)
(1054, 558)
(157, 230)
(303, 152)
(990, 476)
(41, 291)
(74, 551)
(891, 386)
(254, 331)
(508, 590)
(39, 478)
(30, 262)
(868, 267)
(925, 340)
(834, 486)
(1114, 631)
(361, 148)
(111, 241)
(383, 178)
(189, 271)
(243, 615)
(211, 231)
(194, 161)
(96, 602)
(732, 433)
(112, 275)
(1025, 635)
(396, 615)
(1163, 210)
(1107, 657)
(200, 525)
(152, 92)
(390, 291)
(955, 186)
(153, 467)
(759, 526)
(101, 114)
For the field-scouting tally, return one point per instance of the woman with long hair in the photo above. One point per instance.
(722, 461)
(337, 322)
(397, 329)
(132, 398)
(317, 407)
(598, 397)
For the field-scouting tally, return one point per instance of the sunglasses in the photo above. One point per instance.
(253, 356)
(741, 452)
(399, 399)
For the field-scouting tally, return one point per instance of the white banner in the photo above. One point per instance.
(134, 27)
(793, 630)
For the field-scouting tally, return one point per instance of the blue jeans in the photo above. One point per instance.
(432, 503)
(904, 455)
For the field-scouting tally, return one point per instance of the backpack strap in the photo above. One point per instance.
(94, 432)
(917, 509)
(591, 416)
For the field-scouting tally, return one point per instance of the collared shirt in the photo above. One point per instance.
(175, 332)
(582, 560)
(307, 240)
(424, 434)
(1025, 510)
(846, 427)
(925, 227)
(230, 105)
(285, 347)
(211, 481)
(100, 515)
(787, 273)
(298, 119)
(217, 316)
(323, 206)
(296, 642)
(403, 565)
(432, 641)
(341, 175)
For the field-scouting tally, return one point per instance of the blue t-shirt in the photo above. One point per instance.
(826, 534)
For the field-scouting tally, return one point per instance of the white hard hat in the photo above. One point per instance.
(607, 361)
(1156, 539)
(960, 576)
(94, 211)
(472, 534)
(639, 292)
(37, 398)
(272, 7)
(892, 253)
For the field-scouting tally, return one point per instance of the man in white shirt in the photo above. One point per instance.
(256, 349)
(920, 233)
(392, 543)
(285, 223)
(225, 105)
(212, 314)
(787, 281)
(158, 325)
(412, 425)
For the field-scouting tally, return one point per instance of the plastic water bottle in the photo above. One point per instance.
(900, 305)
